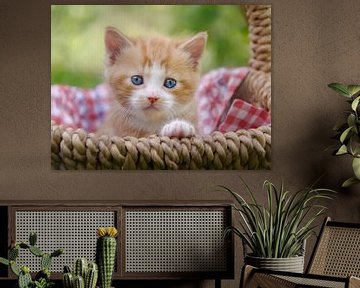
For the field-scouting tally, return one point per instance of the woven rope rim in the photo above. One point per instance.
(244, 149)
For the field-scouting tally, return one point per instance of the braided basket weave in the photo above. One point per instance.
(243, 149)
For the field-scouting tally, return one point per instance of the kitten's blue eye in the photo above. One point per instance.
(137, 80)
(170, 83)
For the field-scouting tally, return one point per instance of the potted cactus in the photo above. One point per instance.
(84, 274)
(106, 254)
(42, 278)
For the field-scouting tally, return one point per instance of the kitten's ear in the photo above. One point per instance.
(115, 42)
(195, 47)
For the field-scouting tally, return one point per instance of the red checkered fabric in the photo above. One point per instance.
(80, 108)
(86, 108)
(214, 94)
(243, 115)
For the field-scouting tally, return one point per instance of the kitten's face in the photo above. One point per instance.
(154, 79)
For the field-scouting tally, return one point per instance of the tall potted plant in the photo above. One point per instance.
(348, 133)
(275, 234)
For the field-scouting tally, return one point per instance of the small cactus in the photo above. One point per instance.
(57, 252)
(44, 273)
(45, 261)
(91, 276)
(14, 268)
(67, 269)
(68, 280)
(79, 282)
(36, 251)
(32, 238)
(84, 274)
(106, 254)
(24, 280)
(13, 253)
(24, 245)
(81, 266)
(25, 269)
(42, 278)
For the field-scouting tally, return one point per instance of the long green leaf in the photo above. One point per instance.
(355, 103)
(340, 88)
(353, 89)
(282, 209)
(349, 182)
(270, 221)
(345, 134)
(249, 191)
(247, 229)
(356, 167)
(351, 120)
(242, 235)
(279, 228)
(4, 261)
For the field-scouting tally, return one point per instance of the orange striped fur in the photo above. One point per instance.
(142, 110)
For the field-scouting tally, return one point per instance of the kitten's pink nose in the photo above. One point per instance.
(153, 99)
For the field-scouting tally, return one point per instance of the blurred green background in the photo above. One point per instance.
(77, 31)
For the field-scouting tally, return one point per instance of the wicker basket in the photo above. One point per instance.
(244, 149)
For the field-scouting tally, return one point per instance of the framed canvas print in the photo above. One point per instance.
(170, 87)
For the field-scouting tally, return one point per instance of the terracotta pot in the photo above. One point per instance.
(291, 264)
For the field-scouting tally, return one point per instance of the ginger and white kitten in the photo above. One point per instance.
(153, 80)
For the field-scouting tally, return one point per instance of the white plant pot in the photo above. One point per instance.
(291, 264)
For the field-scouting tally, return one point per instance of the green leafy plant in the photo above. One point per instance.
(43, 283)
(42, 278)
(280, 229)
(349, 132)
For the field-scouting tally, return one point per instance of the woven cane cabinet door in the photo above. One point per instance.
(171, 242)
(70, 228)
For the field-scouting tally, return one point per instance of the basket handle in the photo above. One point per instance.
(259, 19)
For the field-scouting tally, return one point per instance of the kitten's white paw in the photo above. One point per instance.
(178, 128)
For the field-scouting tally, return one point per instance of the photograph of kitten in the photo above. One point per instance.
(159, 87)
(153, 81)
